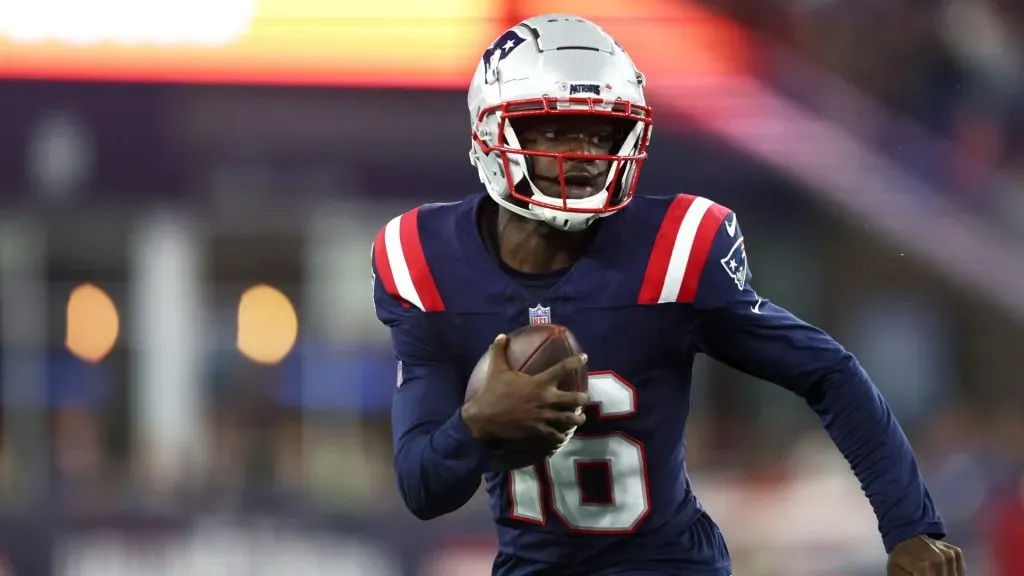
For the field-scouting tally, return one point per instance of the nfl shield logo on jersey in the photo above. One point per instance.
(540, 315)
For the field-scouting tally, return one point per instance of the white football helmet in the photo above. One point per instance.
(556, 64)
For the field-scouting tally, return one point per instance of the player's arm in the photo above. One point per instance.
(438, 462)
(743, 330)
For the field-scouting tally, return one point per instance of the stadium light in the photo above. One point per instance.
(267, 325)
(381, 44)
(92, 323)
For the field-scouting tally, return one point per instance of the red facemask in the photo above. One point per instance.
(624, 168)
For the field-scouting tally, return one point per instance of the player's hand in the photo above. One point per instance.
(924, 556)
(513, 405)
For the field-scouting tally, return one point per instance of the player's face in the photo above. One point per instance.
(572, 135)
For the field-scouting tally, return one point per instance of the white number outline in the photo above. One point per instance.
(532, 489)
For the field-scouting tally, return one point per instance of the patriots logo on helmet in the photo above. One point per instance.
(498, 51)
(735, 264)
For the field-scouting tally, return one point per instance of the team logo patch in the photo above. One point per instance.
(735, 264)
(540, 315)
(500, 50)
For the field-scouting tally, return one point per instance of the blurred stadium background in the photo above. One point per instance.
(193, 381)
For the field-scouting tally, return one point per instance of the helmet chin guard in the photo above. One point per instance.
(551, 66)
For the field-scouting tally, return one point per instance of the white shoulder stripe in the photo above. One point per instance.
(681, 249)
(399, 265)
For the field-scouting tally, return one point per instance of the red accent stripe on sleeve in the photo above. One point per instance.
(661, 253)
(418, 270)
(700, 251)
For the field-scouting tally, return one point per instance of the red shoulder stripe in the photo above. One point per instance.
(661, 253)
(399, 250)
(419, 272)
(680, 250)
(702, 243)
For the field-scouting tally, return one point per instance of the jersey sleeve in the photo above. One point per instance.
(742, 329)
(438, 462)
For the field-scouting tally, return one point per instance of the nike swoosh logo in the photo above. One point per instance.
(756, 308)
(730, 226)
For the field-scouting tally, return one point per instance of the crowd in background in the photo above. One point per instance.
(955, 67)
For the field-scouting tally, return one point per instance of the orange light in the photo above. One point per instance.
(92, 323)
(398, 42)
(384, 43)
(267, 325)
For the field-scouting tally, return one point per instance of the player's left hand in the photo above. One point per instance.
(924, 556)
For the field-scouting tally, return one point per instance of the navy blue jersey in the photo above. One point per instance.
(663, 280)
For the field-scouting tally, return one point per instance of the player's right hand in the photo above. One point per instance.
(512, 405)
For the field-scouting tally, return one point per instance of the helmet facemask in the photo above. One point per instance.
(568, 205)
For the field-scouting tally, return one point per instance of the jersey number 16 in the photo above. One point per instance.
(620, 457)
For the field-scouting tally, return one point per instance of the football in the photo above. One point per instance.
(531, 350)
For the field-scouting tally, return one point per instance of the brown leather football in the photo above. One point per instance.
(532, 350)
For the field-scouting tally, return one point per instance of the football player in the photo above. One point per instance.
(560, 130)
